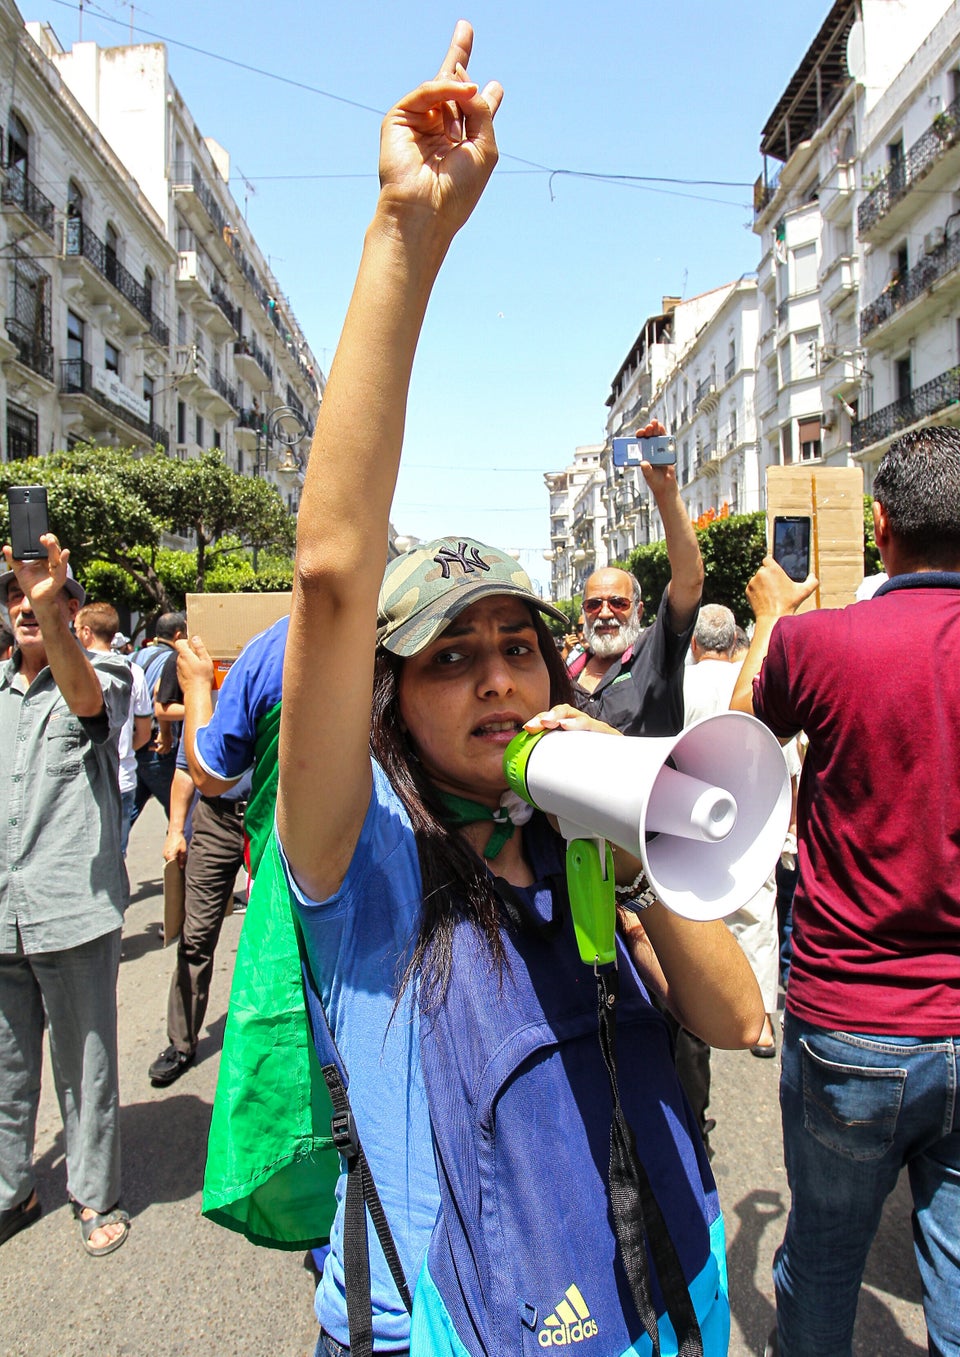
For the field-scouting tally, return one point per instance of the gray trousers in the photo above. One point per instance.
(214, 857)
(77, 991)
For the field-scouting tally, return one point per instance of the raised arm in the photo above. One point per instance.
(437, 151)
(43, 582)
(683, 550)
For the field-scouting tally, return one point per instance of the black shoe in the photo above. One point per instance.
(772, 1348)
(169, 1065)
(17, 1218)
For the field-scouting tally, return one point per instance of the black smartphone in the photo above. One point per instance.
(28, 519)
(791, 545)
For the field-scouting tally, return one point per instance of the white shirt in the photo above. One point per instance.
(141, 704)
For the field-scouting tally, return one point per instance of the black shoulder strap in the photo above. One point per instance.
(361, 1195)
(637, 1218)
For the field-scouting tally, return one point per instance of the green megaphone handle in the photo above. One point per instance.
(592, 901)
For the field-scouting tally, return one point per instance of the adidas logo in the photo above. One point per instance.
(569, 1323)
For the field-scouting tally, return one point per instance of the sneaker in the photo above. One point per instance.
(169, 1065)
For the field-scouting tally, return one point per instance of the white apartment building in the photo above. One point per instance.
(859, 312)
(691, 367)
(85, 291)
(808, 363)
(139, 309)
(707, 400)
(577, 519)
(243, 375)
(908, 221)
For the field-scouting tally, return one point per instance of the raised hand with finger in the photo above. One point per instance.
(437, 146)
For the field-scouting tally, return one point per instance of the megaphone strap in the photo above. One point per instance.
(637, 1218)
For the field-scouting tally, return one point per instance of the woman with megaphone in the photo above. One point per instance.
(433, 908)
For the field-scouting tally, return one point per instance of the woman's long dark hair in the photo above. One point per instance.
(456, 884)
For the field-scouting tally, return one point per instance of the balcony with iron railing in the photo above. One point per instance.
(901, 291)
(33, 351)
(225, 393)
(923, 155)
(764, 192)
(81, 242)
(226, 307)
(76, 379)
(252, 363)
(926, 400)
(729, 369)
(19, 191)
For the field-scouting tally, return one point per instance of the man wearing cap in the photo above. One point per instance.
(630, 678)
(61, 710)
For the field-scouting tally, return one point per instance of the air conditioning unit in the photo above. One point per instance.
(933, 240)
(828, 420)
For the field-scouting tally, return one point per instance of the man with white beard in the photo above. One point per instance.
(629, 677)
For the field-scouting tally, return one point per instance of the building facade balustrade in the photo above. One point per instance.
(19, 191)
(730, 369)
(223, 388)
(76, 379)
(80, 241)
(33, 351)
(926, 400)
(942, 133)
(247, 347)
(902, 291)
(225, 305)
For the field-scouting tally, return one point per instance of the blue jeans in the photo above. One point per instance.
(856, 1109)
(154, 778)
(127, 804)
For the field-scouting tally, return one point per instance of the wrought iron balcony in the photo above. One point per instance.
(225, 304)
(247, 347)
(159, 331)
(81, 242)
(223, 388)
(730, 369)
(18, 191)
(923, 275)
(33, 351)
(926, 400)
(942, 133)
(764, 193)
(76, 379)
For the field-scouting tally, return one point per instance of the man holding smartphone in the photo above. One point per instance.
(871, 1033)
(61, 710)
(628, 677)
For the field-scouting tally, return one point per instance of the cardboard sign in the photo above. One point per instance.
(832, 497)
(226, 622)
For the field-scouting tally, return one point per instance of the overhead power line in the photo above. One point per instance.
(533, 167)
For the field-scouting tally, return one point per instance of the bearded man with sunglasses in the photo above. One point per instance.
(630, 677)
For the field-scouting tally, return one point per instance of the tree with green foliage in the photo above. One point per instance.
(112, 509)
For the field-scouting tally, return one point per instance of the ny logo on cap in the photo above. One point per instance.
(445, 558)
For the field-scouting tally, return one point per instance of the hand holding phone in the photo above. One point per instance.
(791, 545)
(28, 521)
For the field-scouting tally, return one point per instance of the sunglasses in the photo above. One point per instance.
(617, 602)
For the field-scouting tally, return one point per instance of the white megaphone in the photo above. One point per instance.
(706, 811)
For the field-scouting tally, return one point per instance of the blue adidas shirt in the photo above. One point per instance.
(359, 943)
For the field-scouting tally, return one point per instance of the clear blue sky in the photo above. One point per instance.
(548, 285)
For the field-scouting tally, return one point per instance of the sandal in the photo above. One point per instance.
(17, 1218)
(96, 1222)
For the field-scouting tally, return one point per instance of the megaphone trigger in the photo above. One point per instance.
(590, 882)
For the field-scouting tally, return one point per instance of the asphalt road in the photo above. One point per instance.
(182, 1286)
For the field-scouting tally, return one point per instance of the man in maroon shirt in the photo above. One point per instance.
(870, 1081)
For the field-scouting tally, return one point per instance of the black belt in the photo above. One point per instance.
(225, 805)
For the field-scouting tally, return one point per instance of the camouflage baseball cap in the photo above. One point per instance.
(426, 588)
